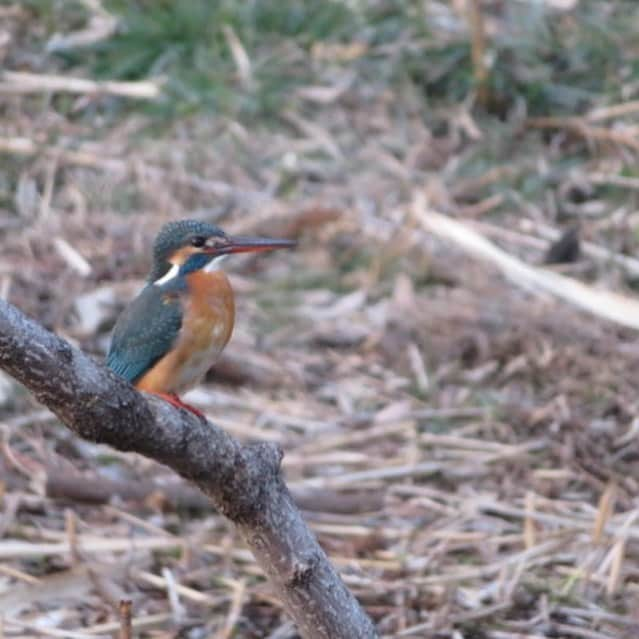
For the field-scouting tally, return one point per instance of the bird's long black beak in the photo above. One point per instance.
(252, 245)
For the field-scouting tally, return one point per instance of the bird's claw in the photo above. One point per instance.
(174, 400)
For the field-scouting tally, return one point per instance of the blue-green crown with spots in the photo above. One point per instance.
(173, 236)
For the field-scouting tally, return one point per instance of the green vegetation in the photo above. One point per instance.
(190, 44)
(555, 63)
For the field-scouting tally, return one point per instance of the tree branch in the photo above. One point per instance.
(243, 482)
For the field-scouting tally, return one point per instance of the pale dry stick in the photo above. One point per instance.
(71, 529)
(191, 594)
(49, 183)
(470, 185)
(429, 627)
(343, 458)
(604, 511)
(18, 574)
(509, 580)
(615, 111)
(629, 436)
(567, 505)
(348, 479)
(245, 430)
(75, 584)
(354, 530)
(412, 490)
(554, 474)
(472, 538)
(351, 439)
(612, 306)
(510, 236)
(240, 57)
(125, 619)
(477, 463)
(375, 564)
(598, 615)
(581, 127)
(13, 549)
(171, 587)
(310, 426)
(72, 257)
(613, 179)
(483, 206)
(383, 427)
(418, 367)
(432, 505)
(539, 555)
(467, 412)
(239, 591)
(588, 562)
(100, 25)
(567, 630)
(32, 418)
(618, 553)
(16, 549)
(283, 631)
(47, 534)
(454, 441)
(39, 630)
(6, 281)
(627, 262)
(327, 94)
(12, 11)
(28, 148)
(243, 482)
(22, 83)
(138, 623)
(530, 532)
(99, 28)
(315, 133)
(583, 524)
(576, 573)
(138, 521)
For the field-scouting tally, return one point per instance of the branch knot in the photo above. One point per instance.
(302, 571)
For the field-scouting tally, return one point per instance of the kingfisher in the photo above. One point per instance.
(173, 331)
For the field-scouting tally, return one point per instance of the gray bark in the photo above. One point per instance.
(243, 482)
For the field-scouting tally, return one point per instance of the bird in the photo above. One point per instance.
(169, 336)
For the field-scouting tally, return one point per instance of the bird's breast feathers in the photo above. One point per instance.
(208, 315)
(209, 311)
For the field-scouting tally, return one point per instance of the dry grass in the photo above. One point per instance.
(465, 449)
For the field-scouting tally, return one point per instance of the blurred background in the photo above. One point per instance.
(463, 447)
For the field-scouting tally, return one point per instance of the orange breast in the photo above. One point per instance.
(207, 325)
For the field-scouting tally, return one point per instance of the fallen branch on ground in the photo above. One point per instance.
(243, 482)
(608, 305)
(21, 83)
(96, 489)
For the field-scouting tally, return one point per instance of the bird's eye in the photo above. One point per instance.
(198, 241)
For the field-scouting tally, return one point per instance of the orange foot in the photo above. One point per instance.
(173, 399)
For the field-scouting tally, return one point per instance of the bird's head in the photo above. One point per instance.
(189, 245)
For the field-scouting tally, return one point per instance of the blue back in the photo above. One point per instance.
(146, 330)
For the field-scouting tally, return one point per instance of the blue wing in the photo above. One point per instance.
(145, 332)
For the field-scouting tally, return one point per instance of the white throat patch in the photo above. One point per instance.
(169, 275)
(214, 264)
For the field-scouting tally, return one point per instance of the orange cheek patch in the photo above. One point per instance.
(181, 255)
